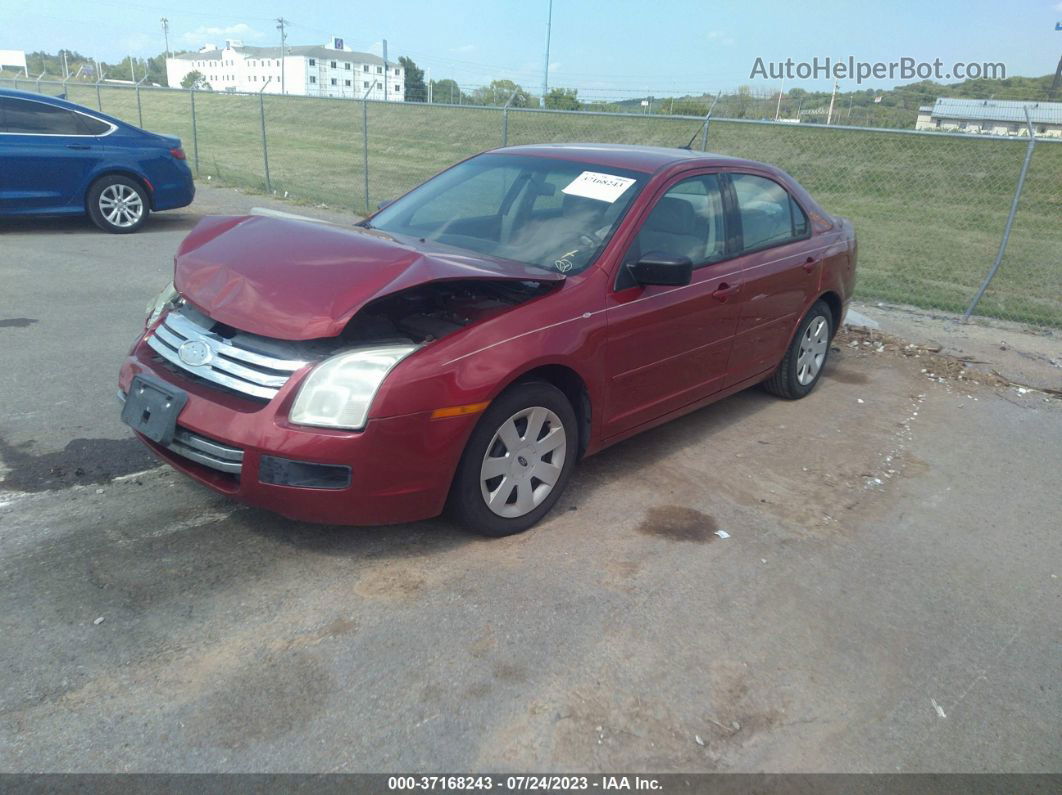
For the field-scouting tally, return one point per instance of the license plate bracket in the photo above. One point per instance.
(151, 408)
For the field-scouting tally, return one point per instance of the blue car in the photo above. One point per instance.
(58, 158)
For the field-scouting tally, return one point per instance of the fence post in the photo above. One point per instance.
(39, 81)
(1010, 219)
(265, 147)
(139, 110)
(708, 121)
(365, 141)
(195, 136)
(505, 118)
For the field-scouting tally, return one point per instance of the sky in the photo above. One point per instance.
(605, 49)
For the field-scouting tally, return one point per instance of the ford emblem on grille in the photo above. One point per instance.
(195, 353)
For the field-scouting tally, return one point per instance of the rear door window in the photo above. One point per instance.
(36, 118)
(769, 215)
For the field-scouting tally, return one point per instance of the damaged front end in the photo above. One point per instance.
(193, 345)
(259, 299)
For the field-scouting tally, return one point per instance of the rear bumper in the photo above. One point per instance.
(178, 192)
(400, 467)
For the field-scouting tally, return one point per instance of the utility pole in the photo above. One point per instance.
(132, 71)
(386, 76)
(66, 67)
(281, 22)
(545, 67)
(1056, 82)
(778, 107)
(427, 76)
(833, 96)
(166, 34)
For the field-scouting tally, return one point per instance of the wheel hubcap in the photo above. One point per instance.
(813, 346)
(523, 462)
(121, 205)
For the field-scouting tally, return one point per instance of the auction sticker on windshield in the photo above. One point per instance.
(603, 187)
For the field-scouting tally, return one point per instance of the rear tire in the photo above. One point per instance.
(118, 204)
(528, 437)
(805, 359)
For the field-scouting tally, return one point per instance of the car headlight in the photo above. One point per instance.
(159, 303)
(338, 392)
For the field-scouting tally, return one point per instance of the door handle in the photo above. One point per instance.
(78, 146)
(809, 264)
(724, 291)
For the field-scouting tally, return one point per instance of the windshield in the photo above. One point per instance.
(553, 214)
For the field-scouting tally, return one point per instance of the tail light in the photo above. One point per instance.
(178, 153)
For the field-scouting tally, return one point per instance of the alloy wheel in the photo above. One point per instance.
(121, 205)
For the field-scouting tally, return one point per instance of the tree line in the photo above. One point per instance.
(894, 107)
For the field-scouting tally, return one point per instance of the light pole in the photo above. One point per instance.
(833, 96)
(386, 76)
(166, 34)
(281, 22)
(545, 66)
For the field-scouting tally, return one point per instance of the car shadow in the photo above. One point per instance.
(80, 224)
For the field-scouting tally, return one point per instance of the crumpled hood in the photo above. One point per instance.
(298, 280)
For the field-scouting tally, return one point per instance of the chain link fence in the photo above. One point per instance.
(931, 208)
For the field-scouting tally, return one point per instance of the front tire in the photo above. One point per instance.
(804, 361)
(517, 461)
(118, 204)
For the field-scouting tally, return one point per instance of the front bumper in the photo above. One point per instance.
(401, 467)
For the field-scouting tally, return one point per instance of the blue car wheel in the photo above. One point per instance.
(118, 204)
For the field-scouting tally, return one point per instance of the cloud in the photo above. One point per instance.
(216, 35)
(719, 37)
(463, 48)
(377, 49)
(554, 66)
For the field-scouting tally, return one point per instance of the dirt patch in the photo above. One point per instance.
(265, 698)
(334, 629)
(935, 365)
(391, 581)
(678, 523)
(845, 376)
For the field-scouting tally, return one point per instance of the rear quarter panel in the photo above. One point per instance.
(148, 158)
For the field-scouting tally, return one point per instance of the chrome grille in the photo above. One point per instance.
(229, 364)
(206, 451)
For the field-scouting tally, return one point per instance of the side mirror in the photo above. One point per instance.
(656, 267)
(384, 203)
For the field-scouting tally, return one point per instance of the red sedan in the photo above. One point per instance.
(468, 343)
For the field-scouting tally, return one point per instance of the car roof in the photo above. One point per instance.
(649, 159)
(45, 98)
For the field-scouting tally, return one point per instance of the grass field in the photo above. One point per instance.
(929, 209)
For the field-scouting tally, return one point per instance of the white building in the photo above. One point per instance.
(309, 70)
(991, 117)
